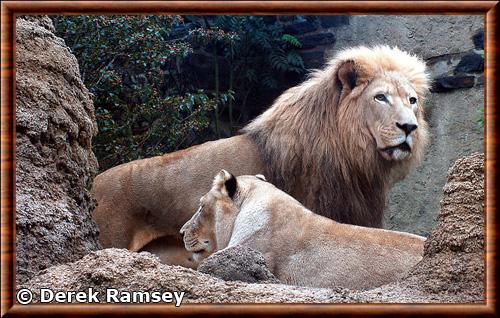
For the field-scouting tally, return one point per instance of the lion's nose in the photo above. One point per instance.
(182, 232)
(407, 128)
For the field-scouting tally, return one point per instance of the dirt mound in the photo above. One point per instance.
(55, 165)
(125, 270)
(454, 259)
(452, 269)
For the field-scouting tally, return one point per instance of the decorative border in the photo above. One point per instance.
(9, 9)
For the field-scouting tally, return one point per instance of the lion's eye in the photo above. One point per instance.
(413, 100)
(381, 98)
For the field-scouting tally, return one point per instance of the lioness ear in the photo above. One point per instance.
(231, 185)
(347, 75)
(225, 182)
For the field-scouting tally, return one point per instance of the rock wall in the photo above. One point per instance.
(452, 269)
(55, 164)
(453, 47)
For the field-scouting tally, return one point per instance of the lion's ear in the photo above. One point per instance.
(231, 185)
(225, 182)
(347, 75)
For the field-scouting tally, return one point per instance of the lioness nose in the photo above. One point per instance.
(407, 128)
(181, 232)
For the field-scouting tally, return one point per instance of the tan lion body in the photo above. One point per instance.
(332, 142)
(133, 209)
(300, 247)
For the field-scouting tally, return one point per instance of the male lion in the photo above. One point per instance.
(336, 142)
(300, 247)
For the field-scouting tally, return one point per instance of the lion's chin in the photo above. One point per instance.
(199, 256)
(398, 152)
(193, 246)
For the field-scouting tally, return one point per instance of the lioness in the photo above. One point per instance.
(300, 247)
(336, 143)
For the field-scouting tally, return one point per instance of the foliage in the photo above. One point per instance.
(257, 52)
(481, 117)
(262, 50)
(144, 104)
(139, 70)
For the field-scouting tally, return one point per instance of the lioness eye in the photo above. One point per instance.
(380, 97)
(413, 100)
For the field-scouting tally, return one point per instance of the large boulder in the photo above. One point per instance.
(452, 269)
(55, 164)
(239, 263)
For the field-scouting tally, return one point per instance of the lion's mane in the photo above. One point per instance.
(316, 147)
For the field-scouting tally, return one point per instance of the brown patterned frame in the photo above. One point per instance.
(9, 9)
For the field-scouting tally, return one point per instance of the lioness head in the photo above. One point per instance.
(211, 226)
(389, 104)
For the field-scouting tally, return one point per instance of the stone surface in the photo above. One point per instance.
(313, 59)
(470, 63)
(125, 270)
(313, 40)
(300, 27)
(448, 83)
(478, 39)
(55, 164)
(452, 269)
(454, 252)
(425, 35)
(239, 263)
(333, 21)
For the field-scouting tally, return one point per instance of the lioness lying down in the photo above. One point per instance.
(300, 247)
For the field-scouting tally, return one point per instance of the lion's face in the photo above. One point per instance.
(211, 225)
(393, 115)
(198, 233)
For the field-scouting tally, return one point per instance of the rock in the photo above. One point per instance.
(427, 36)
(452, 269)
(41, 20)
(300, 27)
(470, 63)
(480, 80)
(313, 40)
(454, 252)
(125, 270)
(329, 21)
(448, 83)
(239, 263)
(478, 40)
(314, 59)
(55, 164)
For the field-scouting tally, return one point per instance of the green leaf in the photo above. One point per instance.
(290, 39)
